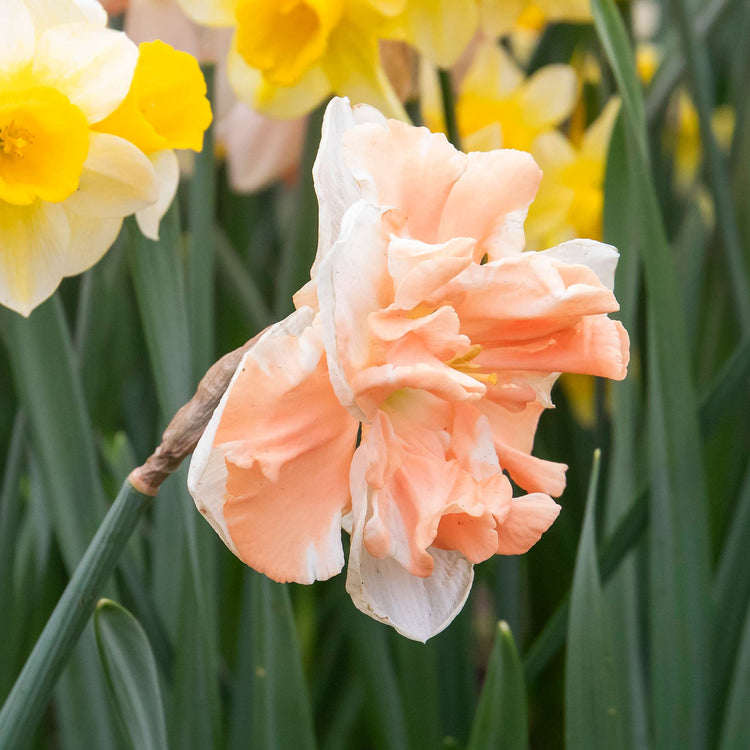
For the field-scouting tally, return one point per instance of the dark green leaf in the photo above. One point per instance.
(595, 714)
(501, 721)
(131, 674)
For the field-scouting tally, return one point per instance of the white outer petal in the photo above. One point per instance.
(92, 66)
(600, 258)
(17, 37)
(207, 475)
(418, 608)
(117, 179)
(34, 241)
(356, 255)
(89, 241)
(167, 170)
(335, 186)
(48, 13)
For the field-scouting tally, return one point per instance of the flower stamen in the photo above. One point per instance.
(14, 139)
(464, 363)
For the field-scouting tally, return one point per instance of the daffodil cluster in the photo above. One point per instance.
(87, 127)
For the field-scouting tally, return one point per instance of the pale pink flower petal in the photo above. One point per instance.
(530, 516)
(442, 192)
(416, 607)
(271, 472)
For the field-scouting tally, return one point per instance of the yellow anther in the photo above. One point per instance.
(463, 363)
(13, 140)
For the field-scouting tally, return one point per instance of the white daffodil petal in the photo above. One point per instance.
(92, 66)
(117, 179)
(600, 258)
(17, 37)
(418, 608)
(89, 241)
(33, 243)
(168, 177)
(357, 261)
(335, 186)
(48, 13)
(210, 12)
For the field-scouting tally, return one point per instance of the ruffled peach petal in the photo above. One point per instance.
(530, 516)
(417, 607)
(513, 435)
(475, 538)
(486, 203)
(373, 386)
(525, 297)
(532, 473)
(438, 331)
(419, 269)
(271, 471)
(409, 168)
(595, 345)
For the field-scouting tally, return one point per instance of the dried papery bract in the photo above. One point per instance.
(183, 432)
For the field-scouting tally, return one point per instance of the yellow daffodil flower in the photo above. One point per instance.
(287, 56)
(501, 17)
(498, 106)
(166, 108)
(64, 187)
(571, 195)
(683, 136)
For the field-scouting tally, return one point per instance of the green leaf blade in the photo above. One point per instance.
(132, 678)
(501, 719)
(595, 709)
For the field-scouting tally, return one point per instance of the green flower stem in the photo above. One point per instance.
(200, 265)
(449, 108)
(28, 698)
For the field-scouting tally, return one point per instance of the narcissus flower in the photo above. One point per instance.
(166, 108)
(287, 57)
(570, 202)
(64, 187)
(258, 150)
(427, 331)
(443, 29)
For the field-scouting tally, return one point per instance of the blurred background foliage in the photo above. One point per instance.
(630, 620)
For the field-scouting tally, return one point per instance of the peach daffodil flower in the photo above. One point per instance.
(428, 332)
(64, 186)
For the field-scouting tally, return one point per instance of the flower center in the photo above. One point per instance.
(465, 363)
(44, 141)
(14, 140)
(284, 39)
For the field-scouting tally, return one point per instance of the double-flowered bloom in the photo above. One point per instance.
(405, 390)
(68, 176)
